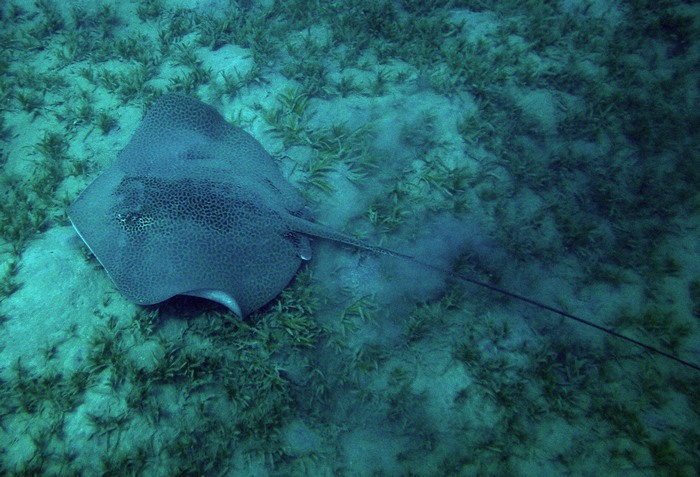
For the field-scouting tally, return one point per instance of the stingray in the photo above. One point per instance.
(195, 206)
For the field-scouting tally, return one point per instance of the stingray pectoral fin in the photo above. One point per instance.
(304, 250)
(87, 244)
(218, 296)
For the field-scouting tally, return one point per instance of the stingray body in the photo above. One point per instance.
(193, 206)
(196, 206)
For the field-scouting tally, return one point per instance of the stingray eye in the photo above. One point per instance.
(133, 222)
(122, 218)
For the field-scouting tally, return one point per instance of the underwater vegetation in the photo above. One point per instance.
(565, 132)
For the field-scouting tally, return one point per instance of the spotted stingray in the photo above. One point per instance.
(195, 206)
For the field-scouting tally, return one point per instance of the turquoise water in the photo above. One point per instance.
(549, 148)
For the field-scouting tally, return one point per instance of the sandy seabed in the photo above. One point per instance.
(549, 148)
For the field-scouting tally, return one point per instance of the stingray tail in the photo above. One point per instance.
(311, 228)
(569, 316)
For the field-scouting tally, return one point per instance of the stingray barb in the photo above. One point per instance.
(196, 206)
